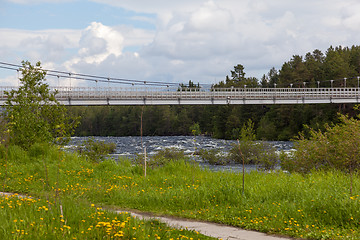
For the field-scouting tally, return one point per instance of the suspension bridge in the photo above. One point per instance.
(93, 96)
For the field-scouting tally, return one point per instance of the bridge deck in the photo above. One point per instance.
(147, 96)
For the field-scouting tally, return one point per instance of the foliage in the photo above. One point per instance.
(335, 148)
(4, 134)
(161, 157)
(33, 114)
(238, 79)
(96, 151)
(214, 156)
(259, 153)
(195, 129)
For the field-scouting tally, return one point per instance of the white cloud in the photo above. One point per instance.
(46, 43)
(98, 42)
(211, 17)
(194, 39)
(10, 81)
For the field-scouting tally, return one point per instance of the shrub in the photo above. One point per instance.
(249, 151)
(17, 154)
(261, 154)
(338, 147)
(96, 151)
(160, 158)
(38, 149)
(214, 157)
(268, 158)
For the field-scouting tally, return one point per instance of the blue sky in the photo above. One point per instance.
(71, 15)
(172, 41)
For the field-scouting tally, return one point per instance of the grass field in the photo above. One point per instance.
(29, 218)
(313, 206)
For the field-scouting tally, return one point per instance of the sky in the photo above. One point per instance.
(167, 40)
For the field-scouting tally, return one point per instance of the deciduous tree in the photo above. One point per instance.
(32, 112)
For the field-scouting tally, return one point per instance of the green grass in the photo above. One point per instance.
(29, 218)
(313, 206)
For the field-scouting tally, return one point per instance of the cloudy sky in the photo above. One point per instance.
(167, 40)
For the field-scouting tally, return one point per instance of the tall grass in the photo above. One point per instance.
(315, 206)
(29, 218)
(58, 209)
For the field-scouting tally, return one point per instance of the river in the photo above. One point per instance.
(130, 146)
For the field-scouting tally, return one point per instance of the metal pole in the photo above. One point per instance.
(331, 83)
(108, 90)
(345, 82)
(275, 90)
(318, 82)
(70, 80)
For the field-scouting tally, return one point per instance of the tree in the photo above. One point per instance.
(249, 151)
(270, 79)
(338, 147)
(195, 130)
(238, 79)
(33, 114)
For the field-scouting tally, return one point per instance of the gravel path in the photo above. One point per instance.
(209, 229)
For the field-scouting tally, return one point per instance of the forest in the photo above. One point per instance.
(337, 67)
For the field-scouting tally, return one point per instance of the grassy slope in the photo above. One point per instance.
(316, 206)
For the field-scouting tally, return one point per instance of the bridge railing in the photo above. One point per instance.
(236, 93)
(89, 93)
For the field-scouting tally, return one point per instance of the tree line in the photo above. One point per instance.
(337, 67)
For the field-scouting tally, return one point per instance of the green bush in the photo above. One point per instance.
(161, 158)
(96, 151)
(261, 154)
(268, 158)
(214, 157)
(338, 147)
(249, 150)
(17, 154)
(39, 149)
(2, 152)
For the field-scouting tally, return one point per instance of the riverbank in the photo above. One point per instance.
(314, 206)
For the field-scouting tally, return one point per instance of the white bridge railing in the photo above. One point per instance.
(156, 96)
